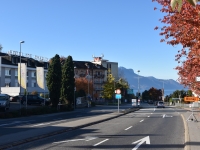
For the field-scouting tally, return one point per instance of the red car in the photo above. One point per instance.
(14, 98)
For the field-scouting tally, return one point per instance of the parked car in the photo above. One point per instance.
(34, 99)
(155, 103)
(14, 98)
(150, 102)
(4, 102)
(160, 104)
(6, 95)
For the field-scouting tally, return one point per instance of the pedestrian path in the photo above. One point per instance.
(192, 120)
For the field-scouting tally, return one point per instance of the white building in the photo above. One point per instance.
(9, 73)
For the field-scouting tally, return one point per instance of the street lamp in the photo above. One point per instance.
(138, 83)
(163, 92)
(74, 87)
(20, 72)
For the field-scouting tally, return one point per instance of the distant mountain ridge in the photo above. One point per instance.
(146, 83)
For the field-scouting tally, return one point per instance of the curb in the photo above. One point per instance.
(187, 138)
(20, 142)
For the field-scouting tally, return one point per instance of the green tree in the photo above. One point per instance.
(189, 93)
(108, 87)
(122, 84)
(34, 93)
(145, 95)
(54, 80)
(68, 81)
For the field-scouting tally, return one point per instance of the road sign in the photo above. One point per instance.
(133, 102)
(197, 79)
(118, 91)
(129, 91)
(191, 99)
(118, 96)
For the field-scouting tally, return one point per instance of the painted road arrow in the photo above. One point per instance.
(85, 139)
(141, 141)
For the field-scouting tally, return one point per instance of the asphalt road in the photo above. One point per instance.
(8, 126)
(147, 129)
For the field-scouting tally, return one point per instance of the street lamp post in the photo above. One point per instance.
(138, 83)
(20, 72)
(74, 87)
(163, 92)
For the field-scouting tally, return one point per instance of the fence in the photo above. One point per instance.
(197, 105)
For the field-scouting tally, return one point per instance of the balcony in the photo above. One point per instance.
(98, 89)
(82, 75)
(99, 76)
(98, 82)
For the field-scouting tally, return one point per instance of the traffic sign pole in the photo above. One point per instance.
(118, 105)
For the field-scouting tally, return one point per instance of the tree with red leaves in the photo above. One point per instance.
(183, 28)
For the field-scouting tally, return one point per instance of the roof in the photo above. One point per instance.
(84, 64)
(15, 59)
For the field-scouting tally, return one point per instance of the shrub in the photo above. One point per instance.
(34, 93)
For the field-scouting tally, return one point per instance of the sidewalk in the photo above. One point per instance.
(15, 139)
(193, 129)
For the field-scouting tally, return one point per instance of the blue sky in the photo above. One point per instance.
(121, 30)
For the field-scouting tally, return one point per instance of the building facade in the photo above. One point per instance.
(9, 74)
(112, 66)
(95, 71)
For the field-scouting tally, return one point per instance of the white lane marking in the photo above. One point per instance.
(128, 127)
(101, 142)
(41, 124)
(86, 139)
(148, 116)
(151, 113)
(15, 122)
(141, 120)
(164, 116)
(154, 109)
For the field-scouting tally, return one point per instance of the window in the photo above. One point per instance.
(27, 84)
(27, 73)
(13, 60)
(16, 84)
(33, 74)
(16, 72)
(16, 60)
(7, 84)
(7, 72)
(29, 62)
(47, 65)
(33, 84)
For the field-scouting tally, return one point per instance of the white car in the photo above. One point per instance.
(160, 104)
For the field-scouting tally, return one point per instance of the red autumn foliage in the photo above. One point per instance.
(183, 28)
(82, 84)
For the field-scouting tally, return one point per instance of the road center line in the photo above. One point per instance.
(164, 116)
(128, 128)
(148, 116)
(141, 120)
(41, 124)
(101, 142)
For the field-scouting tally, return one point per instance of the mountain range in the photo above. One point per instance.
(145, 83)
